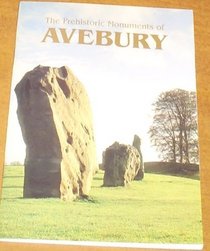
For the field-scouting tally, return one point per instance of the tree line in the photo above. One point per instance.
(174, 130)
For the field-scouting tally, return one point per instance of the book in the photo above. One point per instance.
(86, 79)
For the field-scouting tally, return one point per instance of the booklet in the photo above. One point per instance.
(102, 141)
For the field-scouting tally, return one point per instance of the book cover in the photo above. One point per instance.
(102, 141)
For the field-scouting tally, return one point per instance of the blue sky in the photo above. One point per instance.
(122, 83)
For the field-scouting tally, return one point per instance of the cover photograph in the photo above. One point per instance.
(102, 136)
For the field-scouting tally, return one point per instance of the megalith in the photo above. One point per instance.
(121, 164)
(137, 145)
(56, 122)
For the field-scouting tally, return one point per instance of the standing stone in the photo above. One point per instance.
(121, 164)
(137, 145)
(56, 122)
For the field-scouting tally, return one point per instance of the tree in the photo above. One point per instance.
(174, 129)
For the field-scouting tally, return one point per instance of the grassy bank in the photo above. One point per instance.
(160, 209)
(169, 168)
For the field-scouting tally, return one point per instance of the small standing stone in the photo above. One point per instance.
(121, 164)
(137, 145)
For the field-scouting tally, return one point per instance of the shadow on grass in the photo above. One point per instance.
(10, 198)
(87, 199)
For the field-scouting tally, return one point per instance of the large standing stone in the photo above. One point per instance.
(137, 145)
(121, 164)
(56, 122)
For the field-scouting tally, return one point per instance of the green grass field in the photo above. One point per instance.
(159, 209)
